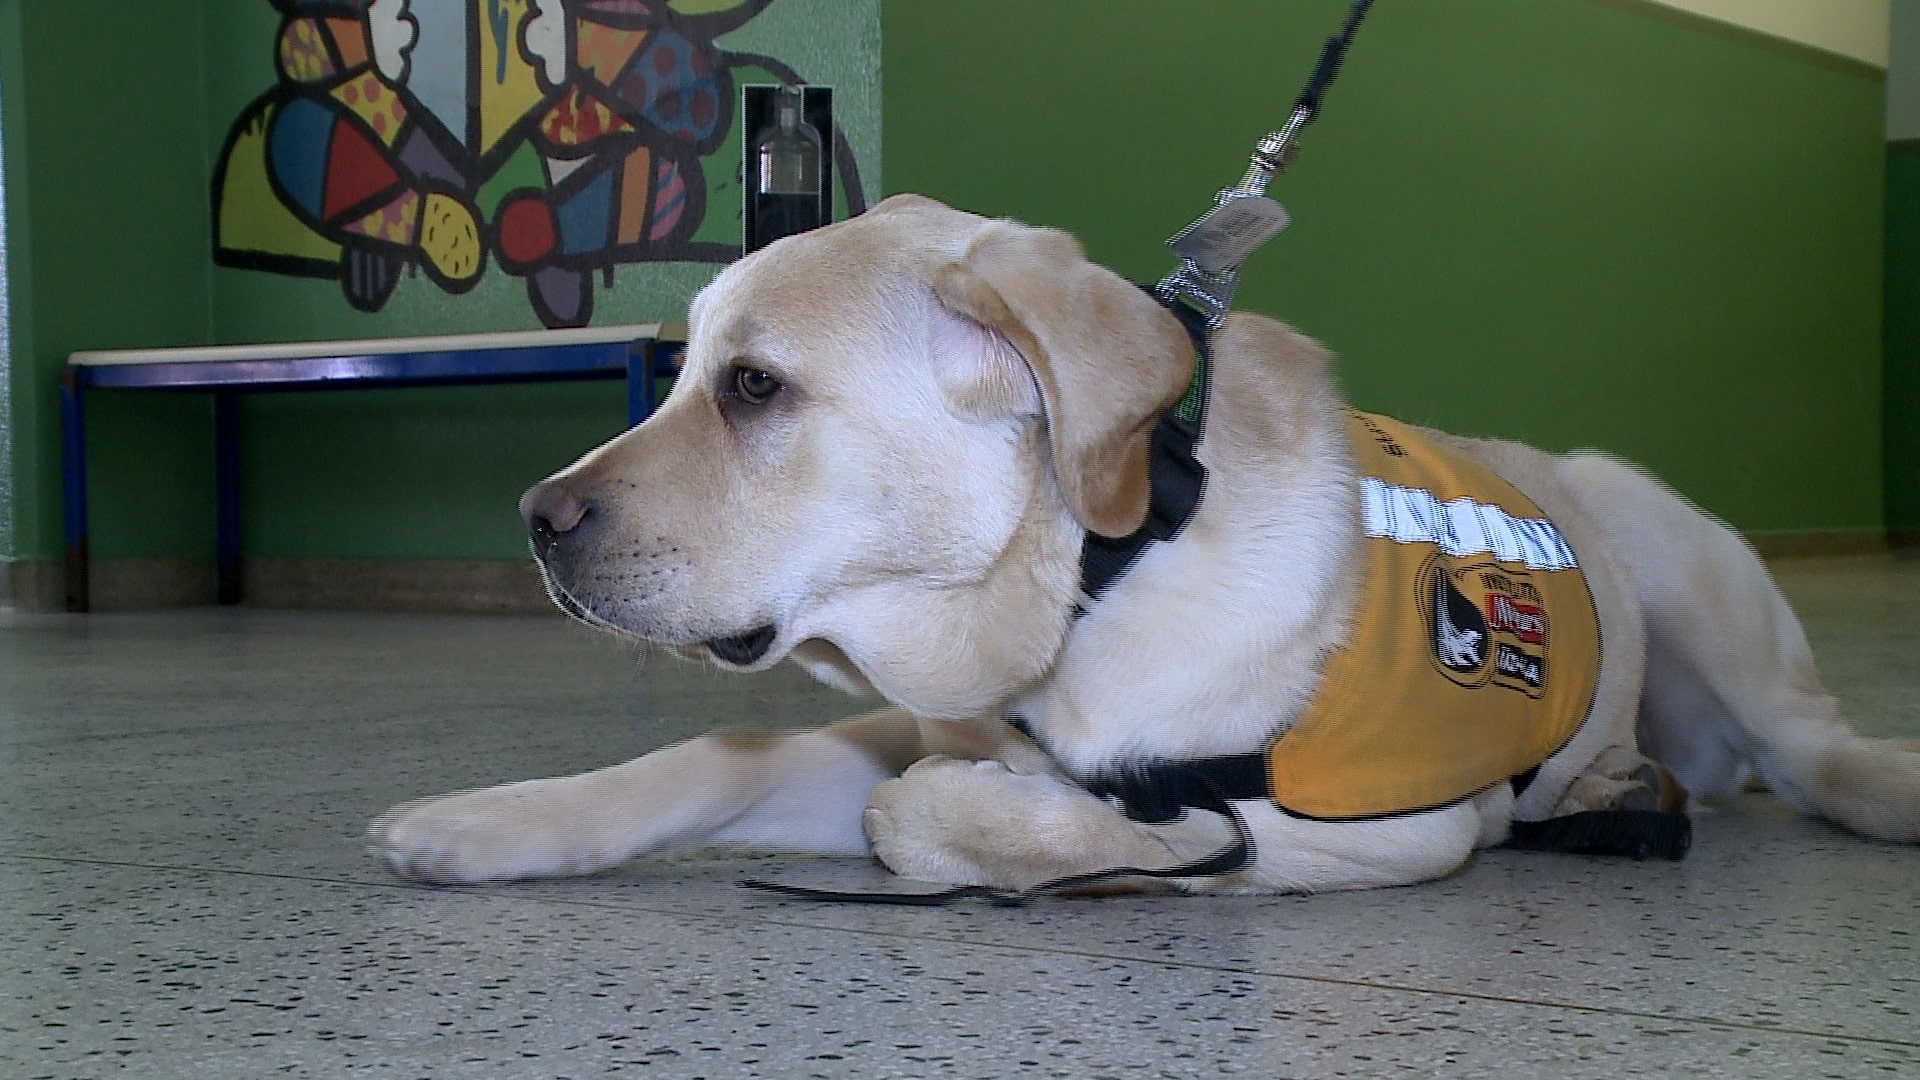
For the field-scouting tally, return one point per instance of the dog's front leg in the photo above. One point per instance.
(977, 823)
(798, 791)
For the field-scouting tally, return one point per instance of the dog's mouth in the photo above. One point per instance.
(737, 650)
(743, 650)
(565, 601)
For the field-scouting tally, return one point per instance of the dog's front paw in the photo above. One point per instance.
(515, 831)
(909, 822)
(977, 823)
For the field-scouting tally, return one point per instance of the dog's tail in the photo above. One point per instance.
(1871, 786)
(1805, 754)
(1731, 688)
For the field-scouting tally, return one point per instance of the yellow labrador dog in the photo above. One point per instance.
(891, 441)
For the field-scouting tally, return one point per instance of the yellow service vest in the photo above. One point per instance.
(1475, 649)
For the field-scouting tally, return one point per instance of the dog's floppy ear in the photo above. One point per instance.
(1107, 358)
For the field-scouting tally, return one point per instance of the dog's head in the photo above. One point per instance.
(880, 458)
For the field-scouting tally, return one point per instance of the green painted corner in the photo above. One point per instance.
(16, 333)
(116, 253)
(1901, 418)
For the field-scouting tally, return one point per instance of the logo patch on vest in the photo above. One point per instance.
(1486, 625)
(1443, 686)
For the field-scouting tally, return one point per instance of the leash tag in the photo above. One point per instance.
(1225, 235)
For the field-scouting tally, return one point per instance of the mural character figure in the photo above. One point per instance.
(634, 103)
(358, 163)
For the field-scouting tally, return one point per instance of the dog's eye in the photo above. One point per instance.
(754, 386)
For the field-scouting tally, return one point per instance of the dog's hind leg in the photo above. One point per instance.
(796, 791)
(1731, 682)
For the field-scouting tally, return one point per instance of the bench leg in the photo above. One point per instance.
(648, 361)
(226, 479)
(639, 381)
(73, 486)
(668, 356)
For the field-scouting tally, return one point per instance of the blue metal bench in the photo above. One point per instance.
(639, 353)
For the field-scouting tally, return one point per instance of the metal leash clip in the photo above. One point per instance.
(1212, 248)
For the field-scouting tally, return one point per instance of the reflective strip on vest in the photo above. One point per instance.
(1475, 647)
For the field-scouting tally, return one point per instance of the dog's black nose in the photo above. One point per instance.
(551, 509)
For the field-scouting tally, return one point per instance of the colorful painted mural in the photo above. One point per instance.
(552, 139)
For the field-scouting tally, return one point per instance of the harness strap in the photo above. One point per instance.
(1162, 791)
(1176, 478)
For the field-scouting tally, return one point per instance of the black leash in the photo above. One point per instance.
(1210, 251)
(1212, 248)
(1331, 56)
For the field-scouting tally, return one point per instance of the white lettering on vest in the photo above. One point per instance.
(1461, 527)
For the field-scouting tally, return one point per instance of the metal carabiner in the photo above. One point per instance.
(1212, 249)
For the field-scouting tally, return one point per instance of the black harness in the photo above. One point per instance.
(1164, 791)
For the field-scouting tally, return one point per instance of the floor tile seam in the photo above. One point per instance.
(224, 871)
(746, 918)
(1322, 980)
(83, 741)
(216, 728)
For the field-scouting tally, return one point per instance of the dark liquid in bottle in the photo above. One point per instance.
(776, 216)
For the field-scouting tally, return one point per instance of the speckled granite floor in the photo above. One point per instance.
(184, 893)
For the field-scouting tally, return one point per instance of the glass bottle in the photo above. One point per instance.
(786, 172)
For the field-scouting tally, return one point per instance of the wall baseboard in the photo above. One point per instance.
(30, 585)
(40, 585)
(452, 585)
(490, 586)
(1794, 545)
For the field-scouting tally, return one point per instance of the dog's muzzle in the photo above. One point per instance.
(560, 525)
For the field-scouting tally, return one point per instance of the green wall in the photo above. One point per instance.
(107, 248)
(1902, 413)
(1579, 222)
(9, 504)
(1570, 222)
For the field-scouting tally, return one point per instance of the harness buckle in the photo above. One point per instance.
(1209, 294)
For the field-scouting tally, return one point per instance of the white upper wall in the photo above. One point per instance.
(1903, 72)
(1856, 29)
